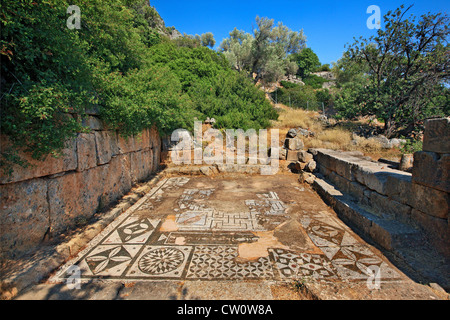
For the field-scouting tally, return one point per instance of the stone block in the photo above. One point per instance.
(24, 218)
(307, 177)
(372, 177)
(292, 133)
(391, 234)
(406, 162)
(294, 144)
(325, 159)
(437, 229)
(106, 144)
(341, 183)
(390, 208)
(356, 190)
(345, 169)
(323, 170)
(74, 196)
(311, 166)
(305, 156)
(86, 151)
(144, 140)
(399, 188)
(117, 179)
(437, 135)
(141, 164)
(156, 153)
(67, 161)
(432, 170)
(428, 200)
(282, 153)
(127, 144)
(292, 155)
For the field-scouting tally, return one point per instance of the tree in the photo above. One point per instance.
(238, 49)
(307, 62)
(207, 40)
(271, 48)
(265, 53)
(407, 63)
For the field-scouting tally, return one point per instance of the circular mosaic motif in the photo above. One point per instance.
(161, 260)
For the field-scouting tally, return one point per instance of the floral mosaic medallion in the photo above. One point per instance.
(156, 261)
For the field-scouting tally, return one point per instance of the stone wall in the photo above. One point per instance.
(420, 200)
(52, 196)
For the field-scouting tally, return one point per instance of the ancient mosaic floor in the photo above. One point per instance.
(219, 229)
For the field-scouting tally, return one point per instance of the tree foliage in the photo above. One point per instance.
(399, 75)
(265, 53)
(307, 62)
(120, 62)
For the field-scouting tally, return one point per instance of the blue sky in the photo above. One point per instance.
(328, 25)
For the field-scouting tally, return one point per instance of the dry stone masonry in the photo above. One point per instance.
(393, 206)
(52, 196)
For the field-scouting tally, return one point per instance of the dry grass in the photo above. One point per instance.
(338, 138)
(292, 118)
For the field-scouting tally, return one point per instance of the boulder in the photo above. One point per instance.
(291, 133)
(299, 166)
(304, 156)
(307, 177)
(311, 166)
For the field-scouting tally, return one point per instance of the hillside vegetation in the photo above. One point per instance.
(123, 62)
(137, 72)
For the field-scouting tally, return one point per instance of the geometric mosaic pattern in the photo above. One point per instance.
(350, 259)
(268, 204)
(200, 217)
(293, 265)
(219, 262)
(206, 244)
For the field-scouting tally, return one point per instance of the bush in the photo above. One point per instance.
(314, 81)
(324, 67)
(411, 146)
(116, 61)
(302, 97)
(289, 85)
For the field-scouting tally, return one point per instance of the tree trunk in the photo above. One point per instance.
(389, 127)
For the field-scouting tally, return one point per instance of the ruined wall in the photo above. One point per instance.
(420, 199)
(52, 196)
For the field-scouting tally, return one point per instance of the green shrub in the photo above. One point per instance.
(289, 85)
(314, 81)
(302, 97)
(324, 67)
(116, 61)
(411, 146)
